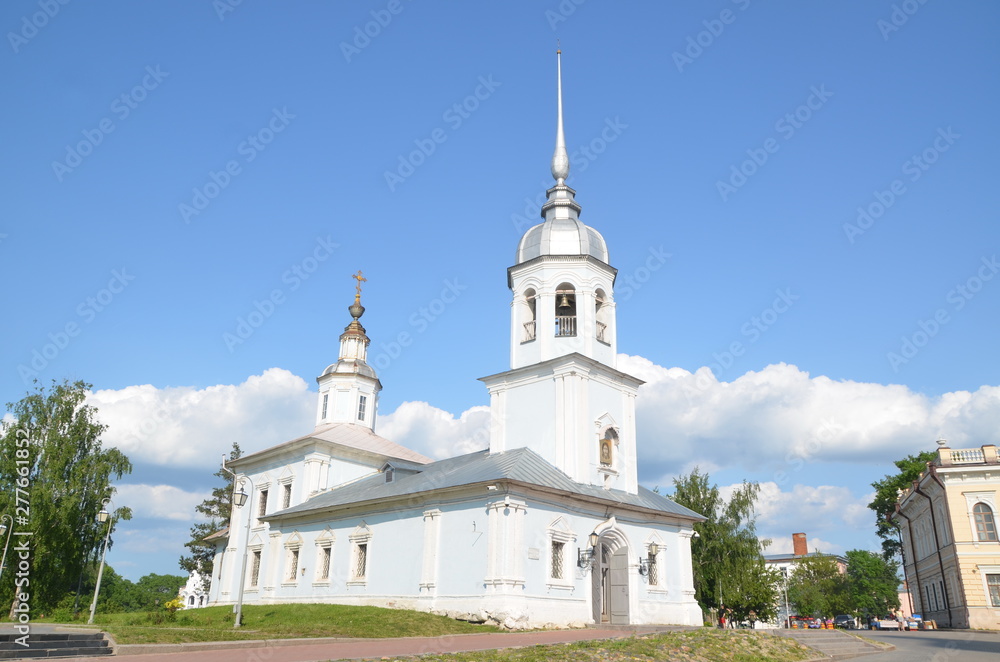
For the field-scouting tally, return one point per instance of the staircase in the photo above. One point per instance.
(46, 645)
(837, 644)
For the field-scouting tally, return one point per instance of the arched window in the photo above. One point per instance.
(528, 315)
(603, 317)
(565, 310)
(986, 526)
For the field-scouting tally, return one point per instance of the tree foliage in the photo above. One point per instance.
(729, 569)
(816, 587)
(886, 493)
(54, 477)
(873, 583)
(215, 511)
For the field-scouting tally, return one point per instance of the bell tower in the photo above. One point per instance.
(563, 396)
(349, 388)
(562, 283)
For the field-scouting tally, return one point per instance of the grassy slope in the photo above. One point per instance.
(704, 645)
(279, 622)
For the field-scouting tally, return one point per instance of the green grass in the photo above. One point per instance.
(705, 645)
(279, 622)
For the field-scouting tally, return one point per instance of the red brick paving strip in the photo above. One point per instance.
(348, 649)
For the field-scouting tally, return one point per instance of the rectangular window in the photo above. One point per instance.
(286, 495)
(255, 569)
(293, 564)
(362, 401)
(557, 559)
(326, 401)
(262, 504)
(361, 561)
(324, 562)
(654, 571)
(993, 584)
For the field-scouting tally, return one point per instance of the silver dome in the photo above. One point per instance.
(351, 367)
(562, 236)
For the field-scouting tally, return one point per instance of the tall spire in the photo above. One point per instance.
(560, 159)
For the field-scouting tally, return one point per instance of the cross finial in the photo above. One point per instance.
(357, 288)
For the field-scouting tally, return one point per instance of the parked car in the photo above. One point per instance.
(845, 621)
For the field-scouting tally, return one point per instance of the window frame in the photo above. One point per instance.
(985, 522)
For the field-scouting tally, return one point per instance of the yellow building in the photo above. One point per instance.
(948, 528)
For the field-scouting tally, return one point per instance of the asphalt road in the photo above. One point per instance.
(936, 646)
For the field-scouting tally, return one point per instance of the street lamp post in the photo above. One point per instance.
(784, 588)
(239, 499)
(3, 530)
(102, 517)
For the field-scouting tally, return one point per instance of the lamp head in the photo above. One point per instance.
(102, 516)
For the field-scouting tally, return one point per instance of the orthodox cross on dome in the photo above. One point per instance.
(560, 159)
(361, 279)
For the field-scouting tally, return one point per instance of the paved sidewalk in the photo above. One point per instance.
(312, 650)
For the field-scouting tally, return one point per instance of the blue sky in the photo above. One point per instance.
(800, 199)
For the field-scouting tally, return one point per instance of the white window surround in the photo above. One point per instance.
(985, 570)
(324, 545)
(661, 553)
(255, 504)
(256, 553)
(361, 536)
(293, 559)
(971, 499)
(560, 532)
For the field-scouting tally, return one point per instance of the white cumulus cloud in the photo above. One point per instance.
(185, 426)
(435, 432)
(160, 501)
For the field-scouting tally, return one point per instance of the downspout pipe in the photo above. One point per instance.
(937, 546)
(913, 549)
(937, 479)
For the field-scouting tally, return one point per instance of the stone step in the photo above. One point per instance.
(53, 645)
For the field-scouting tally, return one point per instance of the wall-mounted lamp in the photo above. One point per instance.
(654, 549)
(585, 557)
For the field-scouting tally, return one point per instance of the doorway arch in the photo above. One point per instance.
(610, 579)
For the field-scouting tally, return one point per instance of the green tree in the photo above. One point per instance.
(886, 493)
(726, 555)
(54, 477)
(873, 583)
(818, 588)
(215, 511)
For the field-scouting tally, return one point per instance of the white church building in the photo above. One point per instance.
(547, 527)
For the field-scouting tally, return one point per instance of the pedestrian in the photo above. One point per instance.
(722, 616)
(899, 620)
